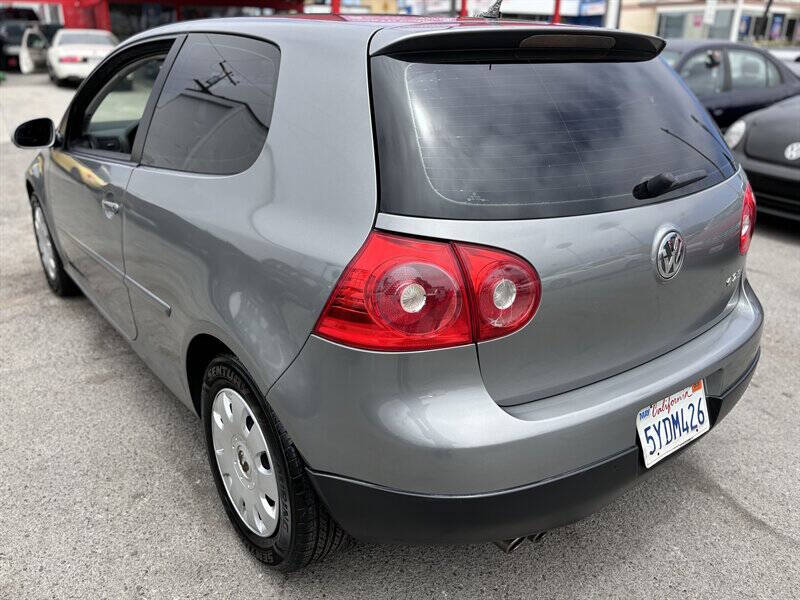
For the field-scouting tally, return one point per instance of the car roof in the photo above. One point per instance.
(355, 29)
(325, 22)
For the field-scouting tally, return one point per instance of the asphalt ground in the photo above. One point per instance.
(105, 491)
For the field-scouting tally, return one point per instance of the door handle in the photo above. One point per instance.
(110, 208)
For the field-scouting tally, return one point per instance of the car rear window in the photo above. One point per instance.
(512, 140)
(75, 39)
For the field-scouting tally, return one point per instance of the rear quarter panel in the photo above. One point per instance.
(251, 258)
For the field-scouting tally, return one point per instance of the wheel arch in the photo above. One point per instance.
(202, 349)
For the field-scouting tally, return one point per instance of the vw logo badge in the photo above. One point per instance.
(792, 151)
(671, 252)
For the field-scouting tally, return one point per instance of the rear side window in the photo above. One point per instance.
(751, 70)
(215, 110)
(512, 140)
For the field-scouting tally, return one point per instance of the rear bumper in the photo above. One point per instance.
(410, 446)
(72, 71)
(377, 513)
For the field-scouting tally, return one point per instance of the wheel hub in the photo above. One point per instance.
(242, 462)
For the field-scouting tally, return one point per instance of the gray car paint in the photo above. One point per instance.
(260, 265)
(251, 259)
(90, 235)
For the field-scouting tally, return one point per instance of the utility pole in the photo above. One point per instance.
(613, 9)
(764, 23)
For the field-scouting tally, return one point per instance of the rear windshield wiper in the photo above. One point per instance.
(666, 182)
(725, 150)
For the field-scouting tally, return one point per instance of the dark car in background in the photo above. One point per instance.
(767, 145)
(731, 79)
(13, 23)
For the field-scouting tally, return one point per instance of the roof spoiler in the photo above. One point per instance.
(539, 42)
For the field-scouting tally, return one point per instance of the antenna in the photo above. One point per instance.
(493, 12)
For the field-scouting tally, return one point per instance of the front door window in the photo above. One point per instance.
(111, 120)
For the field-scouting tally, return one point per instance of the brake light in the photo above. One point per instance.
(402, 293)
(69, 59)
(748, 219)
(506, 290)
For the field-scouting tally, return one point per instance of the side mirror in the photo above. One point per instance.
(36, 133)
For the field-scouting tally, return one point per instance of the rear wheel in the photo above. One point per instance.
(57, 278)
(259, 473)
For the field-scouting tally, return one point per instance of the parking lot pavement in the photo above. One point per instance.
(105, 490)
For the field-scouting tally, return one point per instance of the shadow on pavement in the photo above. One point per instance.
(777, 228)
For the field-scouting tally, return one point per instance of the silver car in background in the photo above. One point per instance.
(423, 280)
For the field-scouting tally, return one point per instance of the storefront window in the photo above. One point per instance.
(671, 25)
(721, 28)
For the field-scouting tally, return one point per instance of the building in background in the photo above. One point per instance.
(713, 20)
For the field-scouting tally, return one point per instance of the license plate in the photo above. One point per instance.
(673, 422)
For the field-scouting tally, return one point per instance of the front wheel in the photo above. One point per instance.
(259, 473)
(57, 278)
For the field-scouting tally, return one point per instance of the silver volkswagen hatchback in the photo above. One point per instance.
(423, 280)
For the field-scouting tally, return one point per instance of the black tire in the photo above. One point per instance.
(305, 531)
(59, 281)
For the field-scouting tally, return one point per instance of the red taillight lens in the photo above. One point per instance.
(399, 294)
(402, 293)
(748, 219)
(69, 59)
(506, 290)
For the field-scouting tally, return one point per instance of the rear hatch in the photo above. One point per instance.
(532, 140)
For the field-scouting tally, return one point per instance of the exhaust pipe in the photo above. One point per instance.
(537, 537)
(508, 546)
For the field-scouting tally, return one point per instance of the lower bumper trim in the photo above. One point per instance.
(375, 513)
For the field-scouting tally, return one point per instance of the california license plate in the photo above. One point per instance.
(673, 422)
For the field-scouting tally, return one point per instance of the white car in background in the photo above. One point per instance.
(75, 52)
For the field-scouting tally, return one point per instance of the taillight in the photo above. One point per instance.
(403, 293)
(69, 59)
(506, 290)
(748, 219)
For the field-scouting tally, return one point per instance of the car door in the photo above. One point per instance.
(89, 171)
(755, 82)
(33, 51)
(704, 73)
